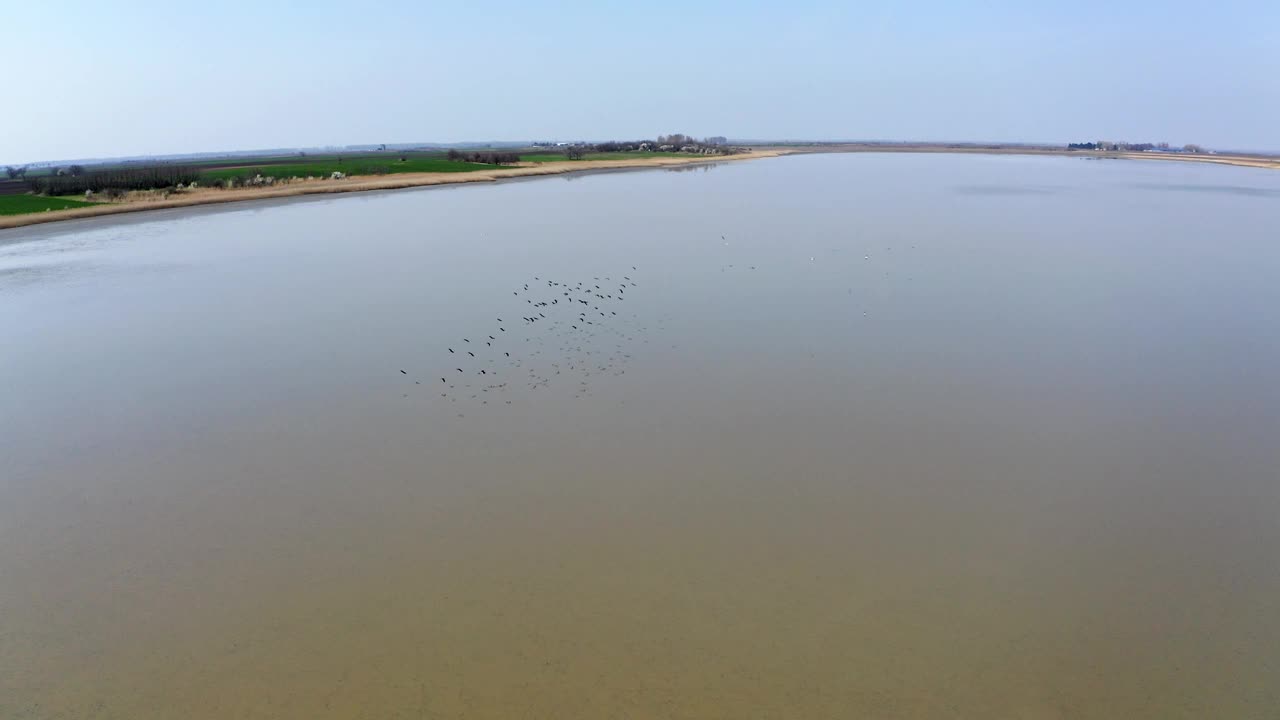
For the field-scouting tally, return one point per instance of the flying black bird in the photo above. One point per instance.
(403, 372)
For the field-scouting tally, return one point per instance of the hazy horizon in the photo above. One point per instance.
(159, 79)
(427, 144)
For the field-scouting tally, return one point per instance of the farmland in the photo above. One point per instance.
(281, 166)
(560, 157)
(22, 204)
(217, 171)
(383, 164)
(42, 187)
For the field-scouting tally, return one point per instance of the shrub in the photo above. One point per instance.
(487, 157)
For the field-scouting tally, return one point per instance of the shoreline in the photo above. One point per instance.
(366, 183)
(1252, 161)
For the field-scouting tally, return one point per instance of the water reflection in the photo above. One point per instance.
(1238, 190)
(699, 167)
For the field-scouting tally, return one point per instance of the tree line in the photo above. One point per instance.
(675, 142)
(1110, 146)
(486, 157)
(134, 178)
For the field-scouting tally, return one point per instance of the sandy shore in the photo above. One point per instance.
(1237, 160)
(1255, 161)
(212, 196)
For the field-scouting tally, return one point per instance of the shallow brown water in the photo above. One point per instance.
(920, 437)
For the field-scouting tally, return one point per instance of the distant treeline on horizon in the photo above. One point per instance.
(1109, 146)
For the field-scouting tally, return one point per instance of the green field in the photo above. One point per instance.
(324, 166)
(384, 164)
(558, 157)
(23, 204)
(349, 166)
(381, 163)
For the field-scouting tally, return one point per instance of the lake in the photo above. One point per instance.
(821, 436)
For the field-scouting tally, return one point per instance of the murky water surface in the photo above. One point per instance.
(836, 436)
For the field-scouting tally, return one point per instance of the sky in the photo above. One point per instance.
(136, 77)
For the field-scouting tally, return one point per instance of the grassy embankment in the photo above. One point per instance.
(23, 204)
(556, 157)
(324, 167)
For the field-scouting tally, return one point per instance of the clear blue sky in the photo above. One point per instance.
(90, 78)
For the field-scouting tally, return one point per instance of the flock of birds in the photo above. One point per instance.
(566, 332)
